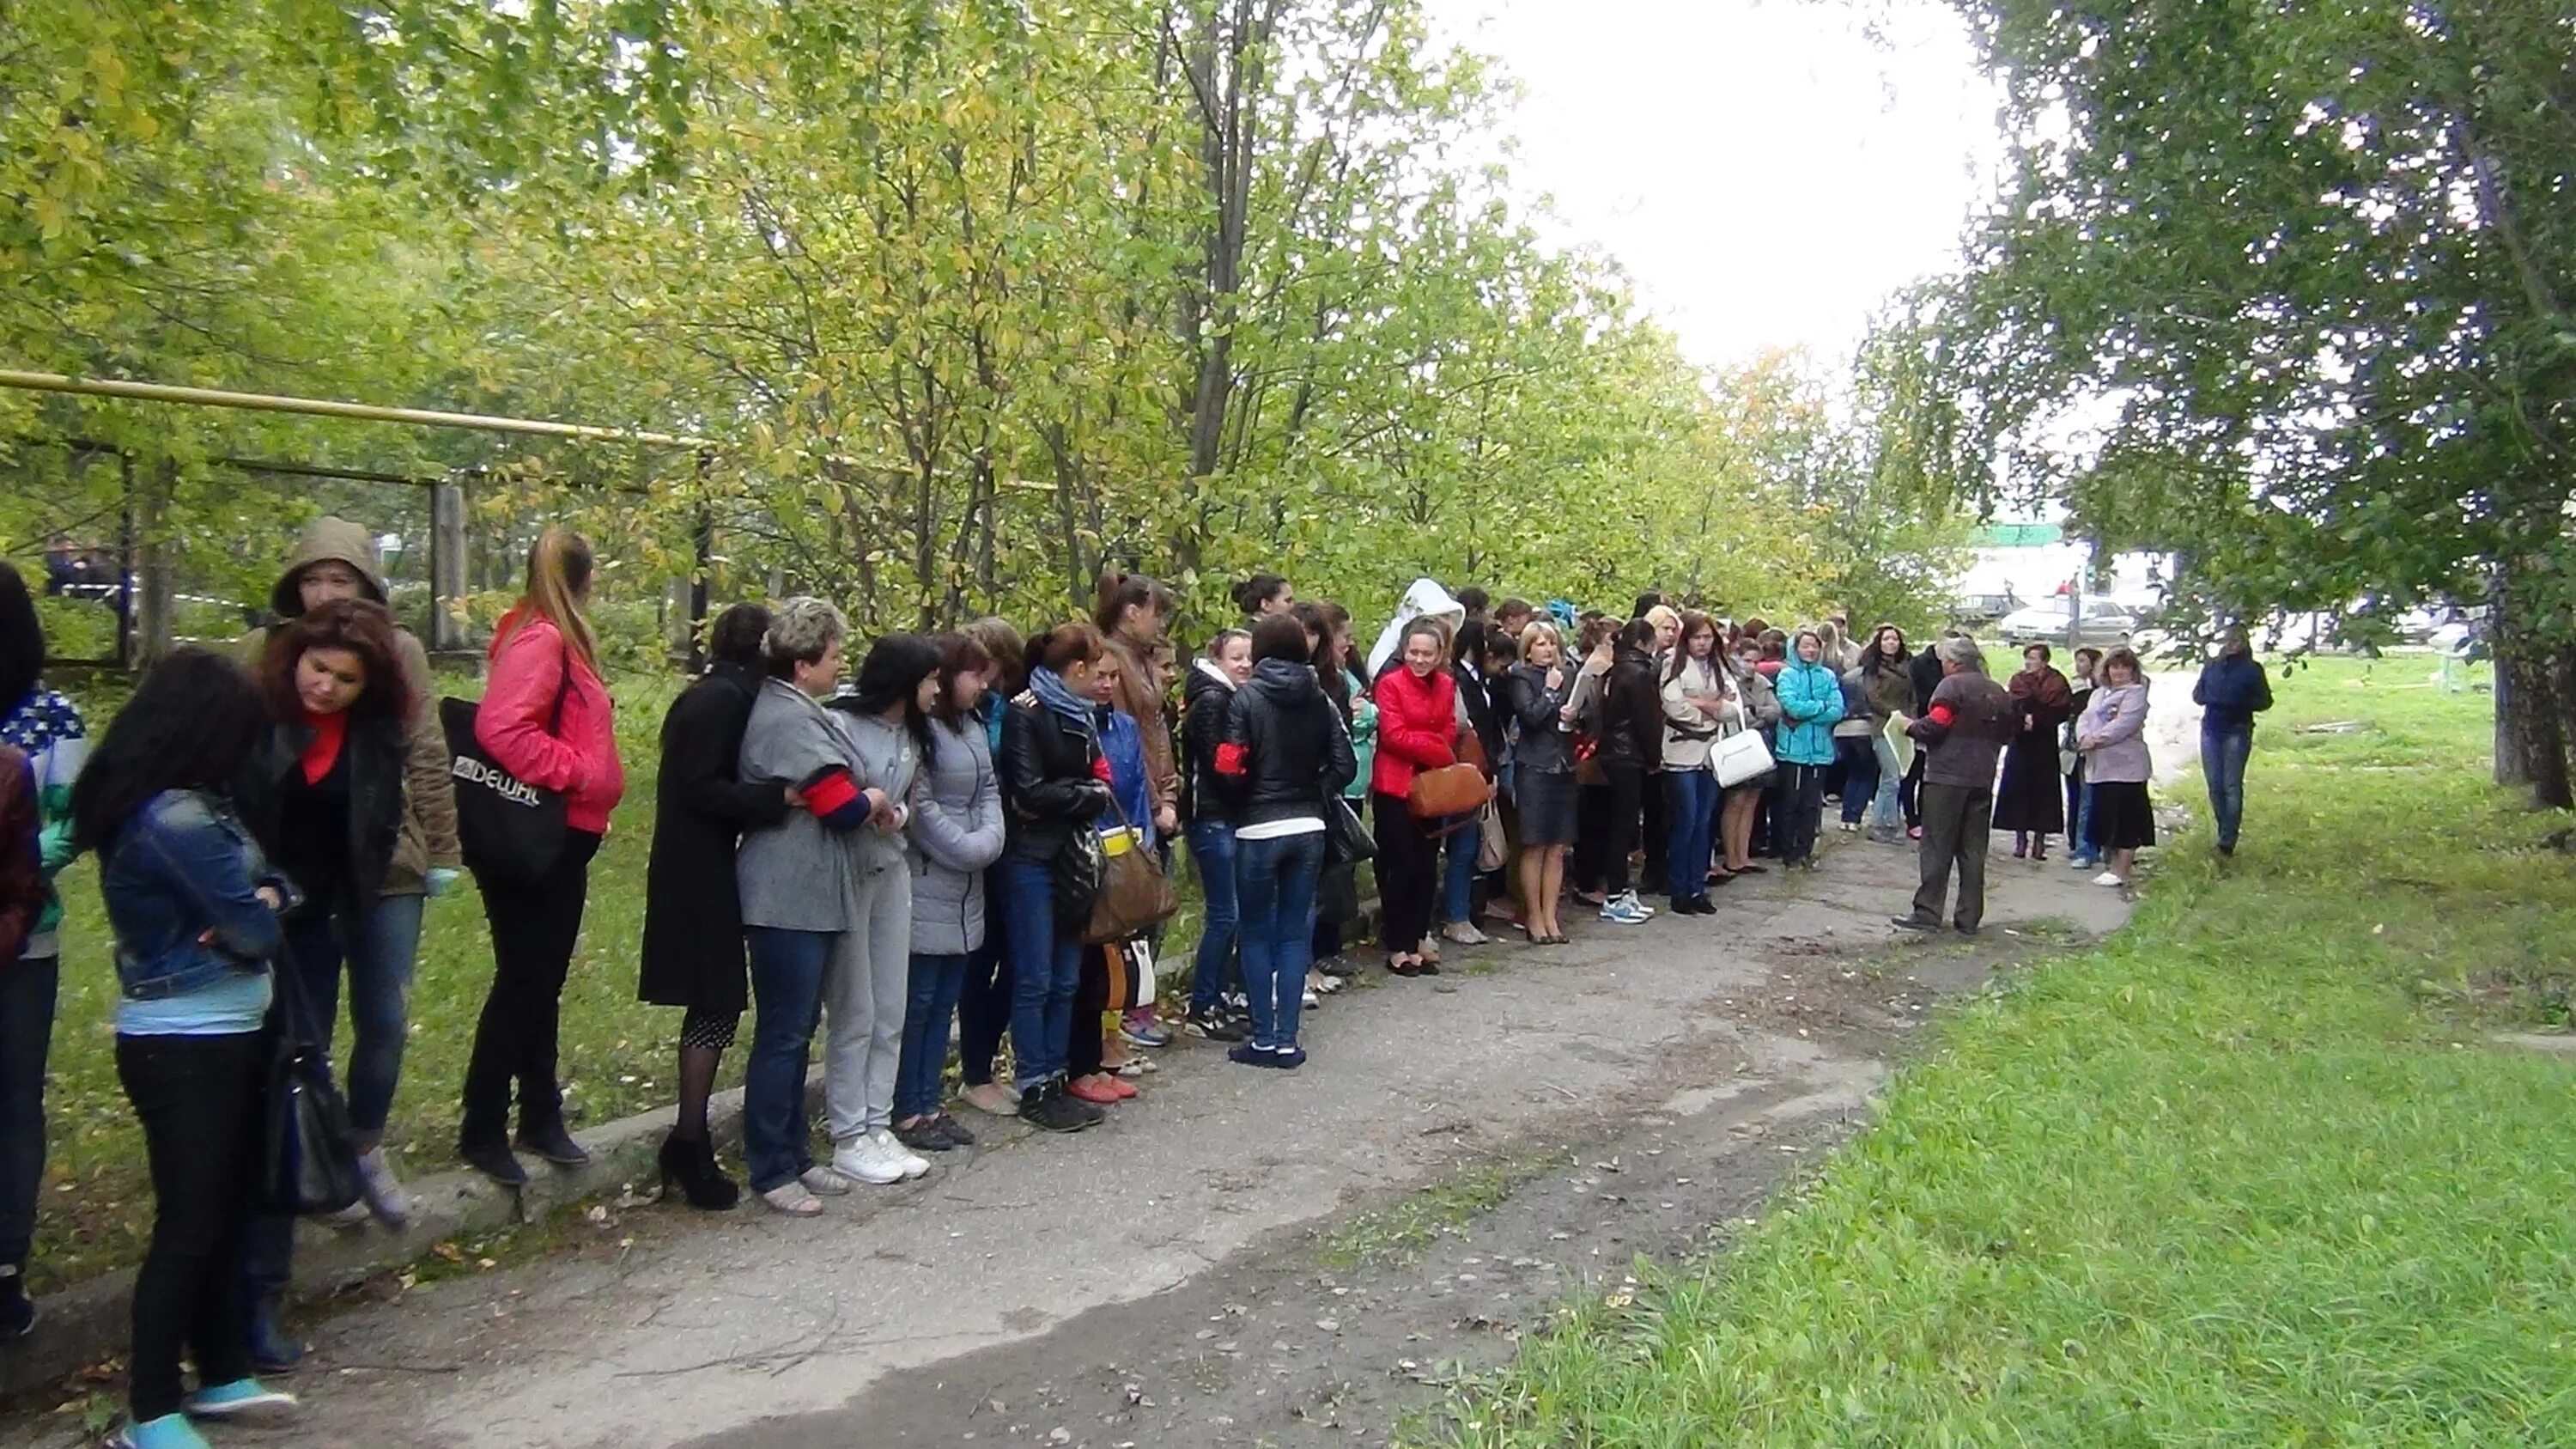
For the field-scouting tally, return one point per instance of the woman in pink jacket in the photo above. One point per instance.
(547, 719)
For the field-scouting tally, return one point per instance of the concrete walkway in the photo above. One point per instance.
(699, 1326)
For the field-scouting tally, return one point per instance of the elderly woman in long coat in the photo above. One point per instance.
(2031, 802)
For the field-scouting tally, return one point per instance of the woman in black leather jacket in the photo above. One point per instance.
(1055, 783)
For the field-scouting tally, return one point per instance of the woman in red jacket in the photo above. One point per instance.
(547, 719)
(1417, 725)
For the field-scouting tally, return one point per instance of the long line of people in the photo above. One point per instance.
(950, 846)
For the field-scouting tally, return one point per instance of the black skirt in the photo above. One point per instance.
(2122, 817)
(1546, 807)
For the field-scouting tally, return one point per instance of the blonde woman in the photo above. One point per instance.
(547, 719)
(1543, 775)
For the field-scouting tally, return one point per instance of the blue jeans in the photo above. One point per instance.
(984, 998)
(1860, 775)
(2084, 848)
(1275, 879)
(1212, 852)
(1046, 970)
(2223, 755)
(26, 1028)
(1458, 887)
(787, 974)
(935, 983)
(1890, 778)
(1694, 834)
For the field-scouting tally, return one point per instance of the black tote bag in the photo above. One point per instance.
(511, 830)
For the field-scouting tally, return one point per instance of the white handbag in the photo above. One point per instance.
(1742, 755)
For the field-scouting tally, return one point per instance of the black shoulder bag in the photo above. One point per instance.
(511, 830)
(308, 1156)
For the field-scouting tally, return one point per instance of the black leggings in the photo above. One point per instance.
(535, 925)
(1407, 875)
(1591, 836)
(200, 1100)
(1627, 801)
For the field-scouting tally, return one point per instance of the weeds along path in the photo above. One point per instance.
(1734, 1035)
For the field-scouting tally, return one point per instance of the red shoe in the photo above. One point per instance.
(1125, 1089)
(1100, 1091)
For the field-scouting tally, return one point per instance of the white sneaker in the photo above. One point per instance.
(1624, 911)
(1644, 912)
(824, 1182)
(2106, 878)
(1464, 933)
(912, 1163)
(861, 1160)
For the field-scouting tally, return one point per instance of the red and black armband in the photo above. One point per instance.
(835, 799)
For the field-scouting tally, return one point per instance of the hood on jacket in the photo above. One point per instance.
(1286, 682)
(328, 540)
(1425, 600)
(1205, 676)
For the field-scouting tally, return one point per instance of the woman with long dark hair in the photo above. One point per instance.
(1889, 687)
(195, 909)
(322, 795)
(956, 831)
(1284, 756)
(693, 948)
(41, 725)
(1693, 695)
(886, 716)
(1337, 668)
(547, 719)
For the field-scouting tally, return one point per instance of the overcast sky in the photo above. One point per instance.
(1765, 171)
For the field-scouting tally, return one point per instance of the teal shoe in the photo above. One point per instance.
(170, 1431)
(243, 1401)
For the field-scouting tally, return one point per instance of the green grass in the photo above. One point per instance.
(2246, 1174)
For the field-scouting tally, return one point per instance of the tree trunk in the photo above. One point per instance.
(2531, 737)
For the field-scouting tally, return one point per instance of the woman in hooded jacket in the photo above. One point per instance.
(956, 831)
(1417, 729)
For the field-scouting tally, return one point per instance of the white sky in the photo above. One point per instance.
(1765, 171)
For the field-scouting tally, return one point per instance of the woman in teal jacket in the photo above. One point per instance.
(1811, 700)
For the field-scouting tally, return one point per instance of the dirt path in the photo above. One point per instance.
(1242, 1257)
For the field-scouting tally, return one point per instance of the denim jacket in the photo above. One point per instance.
(181, 867)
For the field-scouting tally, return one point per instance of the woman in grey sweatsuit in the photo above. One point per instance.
(888, 728)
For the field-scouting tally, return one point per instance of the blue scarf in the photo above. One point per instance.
(1052, 692)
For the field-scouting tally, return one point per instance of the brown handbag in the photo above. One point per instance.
(1459, 789)
(1134, 894)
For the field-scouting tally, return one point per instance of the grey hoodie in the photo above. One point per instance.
(797, 875)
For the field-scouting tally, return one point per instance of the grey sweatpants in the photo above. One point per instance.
(1956, 820)
(863, 1002)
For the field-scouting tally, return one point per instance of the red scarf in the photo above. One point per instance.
(323, 751)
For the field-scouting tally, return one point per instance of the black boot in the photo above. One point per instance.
(493, 1158)
(17, 1311)
(552, 1142)
(690, 1162)
(1052, 1109)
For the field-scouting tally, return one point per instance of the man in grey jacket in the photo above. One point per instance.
(1963, 735)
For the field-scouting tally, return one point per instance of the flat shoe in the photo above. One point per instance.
(792, 1199)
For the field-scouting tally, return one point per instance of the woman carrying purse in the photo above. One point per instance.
(1416, 723)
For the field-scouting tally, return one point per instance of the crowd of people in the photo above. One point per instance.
(963, 839)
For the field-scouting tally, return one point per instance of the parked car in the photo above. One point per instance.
(2052, 622)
